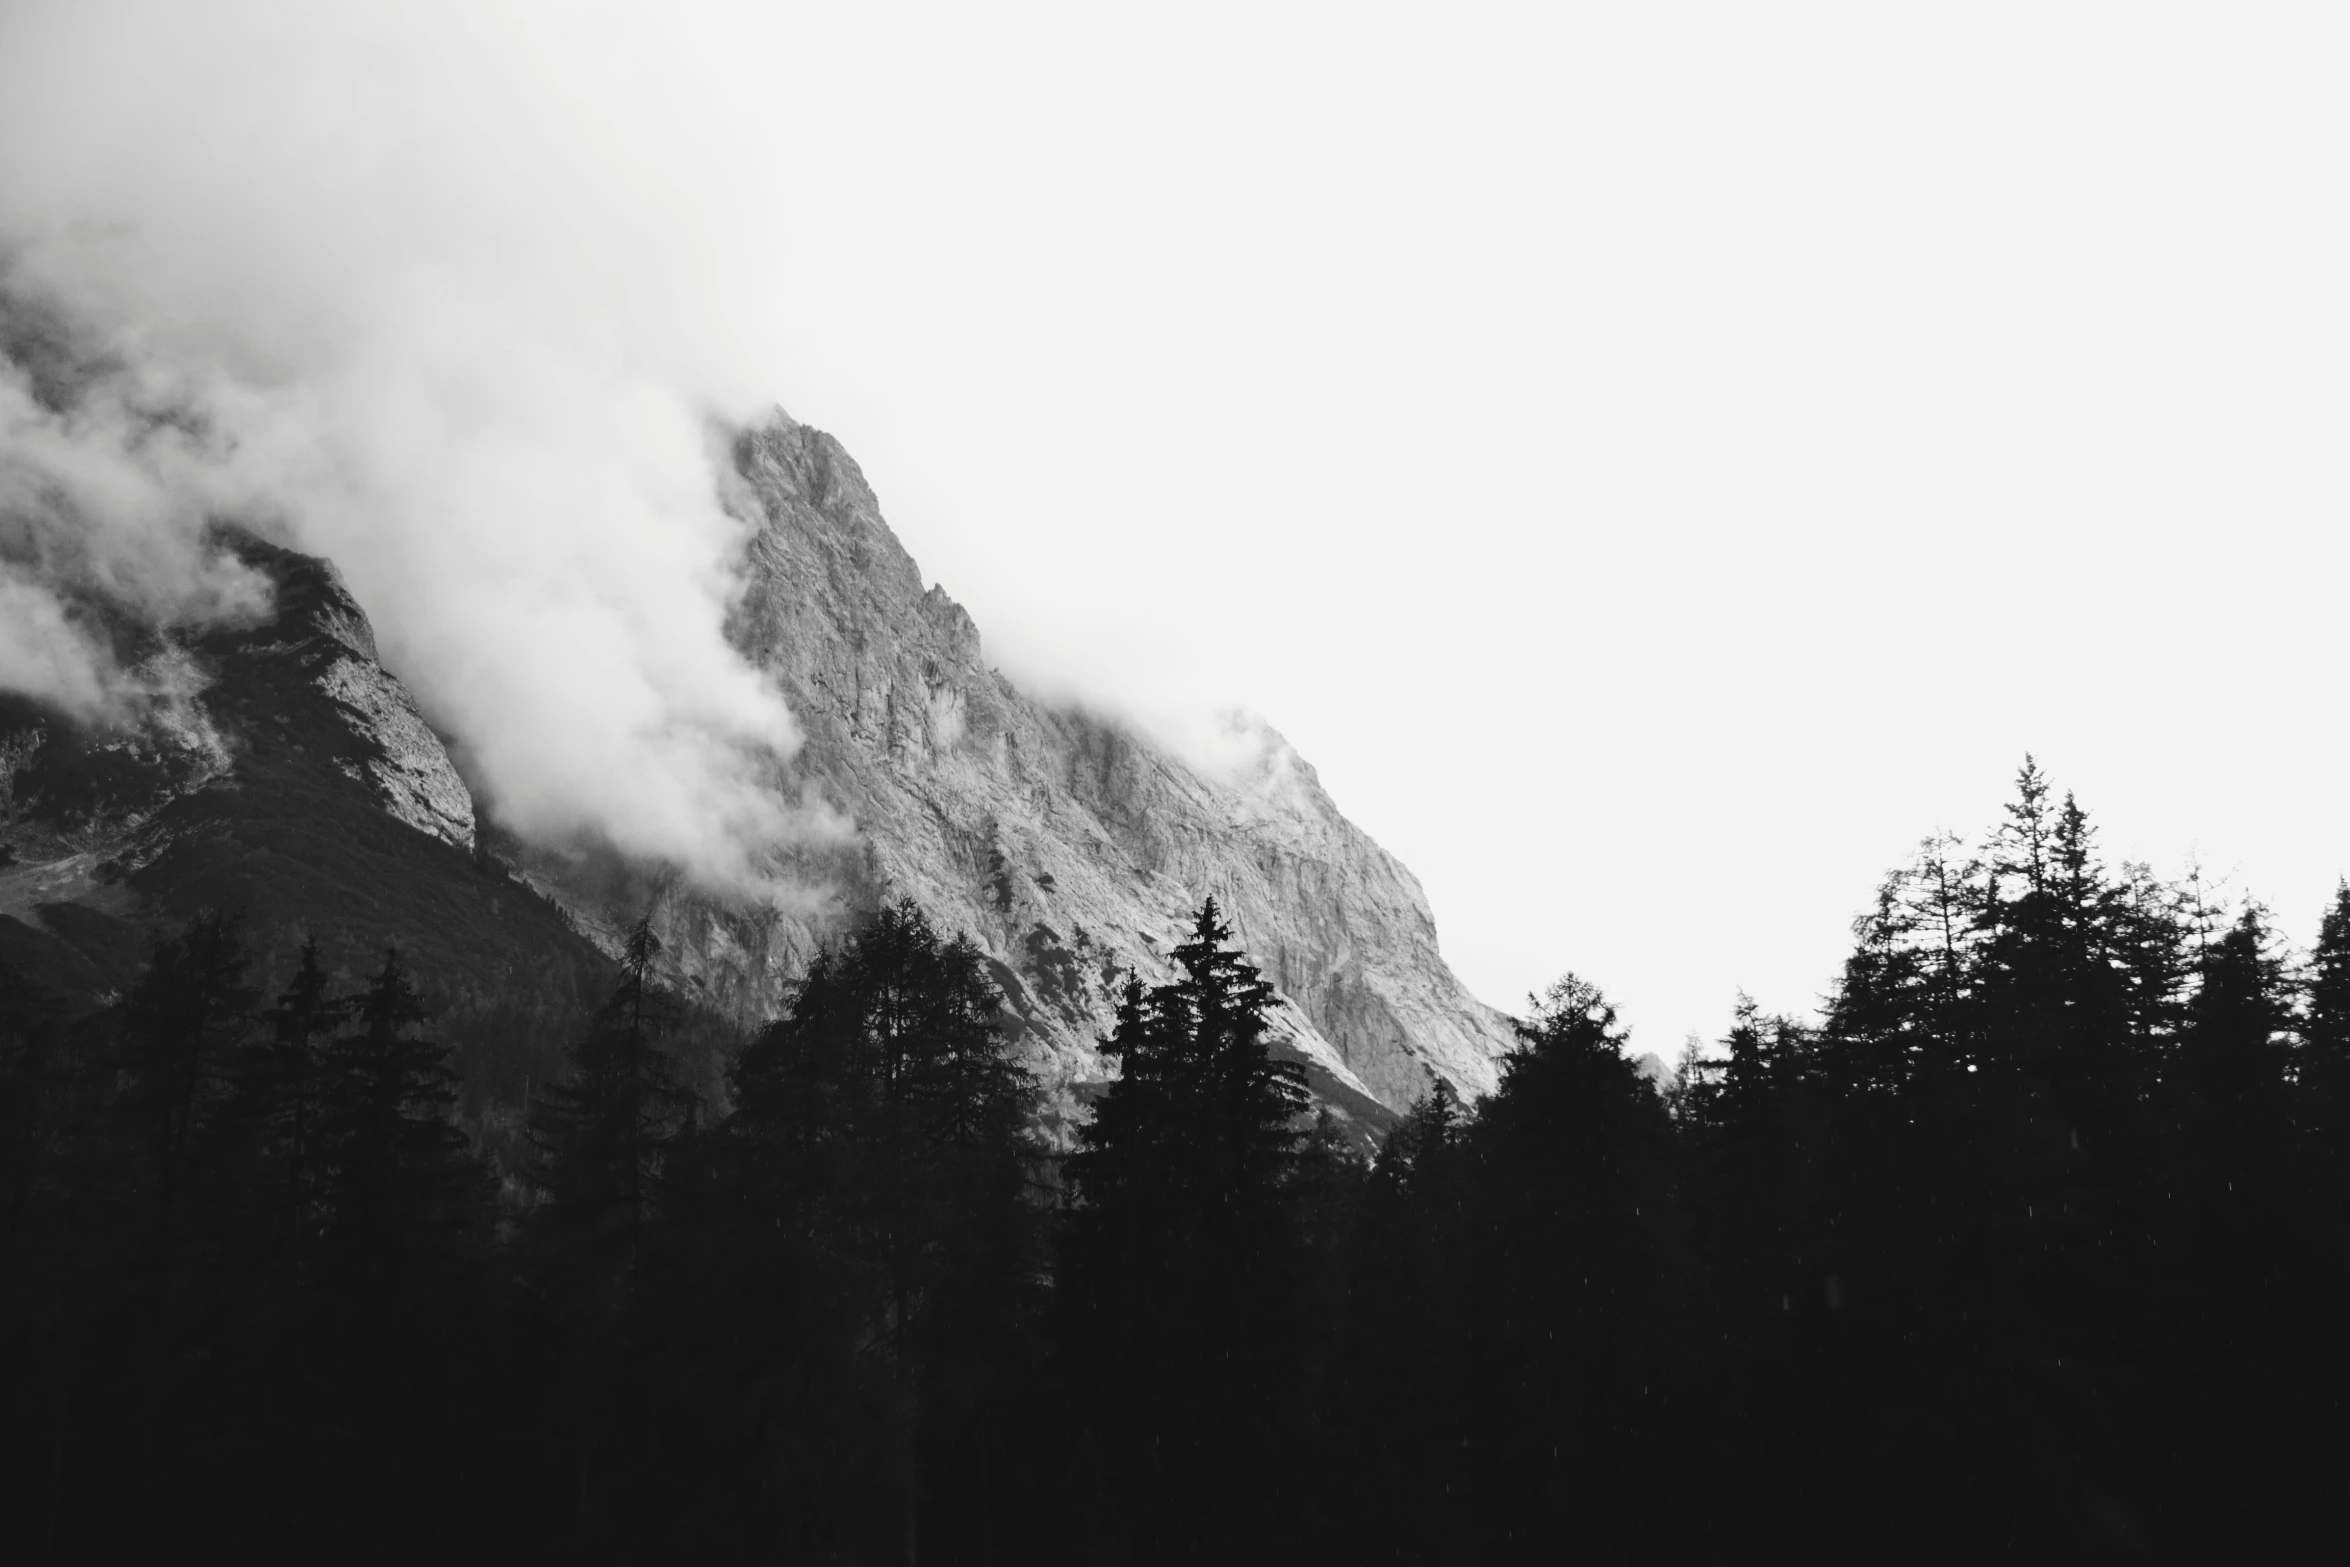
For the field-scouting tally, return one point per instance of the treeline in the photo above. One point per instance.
(2032, 1249)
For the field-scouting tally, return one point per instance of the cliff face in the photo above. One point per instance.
(286, 773)
(286, 776)
(1070, 847)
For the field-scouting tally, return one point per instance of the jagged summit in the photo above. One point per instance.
(287, 776)
(1069, 845)
(292, 775)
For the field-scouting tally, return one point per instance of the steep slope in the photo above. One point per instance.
(284, 772)
(290, 777)
(1068, 845)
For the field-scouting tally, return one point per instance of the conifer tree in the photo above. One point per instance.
(402, 1212)
(874, 1191)
(46, 1219)
(165, 1284)
(601, 1132)
(405, 1188)
(31, 1078)
(1401, 1399)
(1905, 1002)
(2020, 967)
(287, 1083)
(2238, 1259)
(184, 1025)
(2098, 1065)
(1752, 1066)
(1573, 1243)
(2234, 1044)
(2232, 1060)
(1200, 1110)
(601, 1136)
(1177, 1262)
(2325, 1031)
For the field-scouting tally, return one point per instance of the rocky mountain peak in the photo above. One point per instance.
(292, 774)
(1069, 844)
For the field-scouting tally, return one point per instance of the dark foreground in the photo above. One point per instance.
(2038, 1249)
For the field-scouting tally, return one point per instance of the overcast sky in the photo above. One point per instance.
(1657, 461)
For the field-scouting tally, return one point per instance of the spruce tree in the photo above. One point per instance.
(2020, 970)
(1401, 1401)
(1574, 1246)
(2325, 1031)
(2233, 1059)
(286, 1082)
(403, 1217)
(602, 1130)
(1178, 1260)
(405, 1189)
(877, 1233)
(2239, 1264)
(184, 1025)
(33, 1077)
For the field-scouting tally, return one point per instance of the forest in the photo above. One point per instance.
(2032, 1246)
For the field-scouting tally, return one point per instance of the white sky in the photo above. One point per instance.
(1656, 461)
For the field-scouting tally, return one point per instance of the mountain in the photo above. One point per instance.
(296, 779)
(1069, 845)
(286, 775)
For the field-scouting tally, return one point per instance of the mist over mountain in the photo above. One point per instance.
(1068, 843)
(179, 727)
(561, 1000)
(488, 391)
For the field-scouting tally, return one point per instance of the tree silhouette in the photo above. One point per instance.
(601, 1132)
(1177, 1264)
(874, 1248)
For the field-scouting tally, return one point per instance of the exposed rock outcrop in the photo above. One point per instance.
(281, 769)
(1069, 845)
(280, 772)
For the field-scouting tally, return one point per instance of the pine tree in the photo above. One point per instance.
(403, 1210)
(1400, 1399)
(2239, 1267)
(46, 1223)
(1574, 1246)
(1200, 1108)
(1751, 1068)
(168, 1286)
(2020, 970)
(286, 1083)
(1178, 1260)
(1905, 1004)
(32, 1077)
(2325, 1032)
(874, 1191)
(942, 1170)
(602, 1131)
(184, 1025)
(2099, 1064)
(2232, 1062)
(405, 1188)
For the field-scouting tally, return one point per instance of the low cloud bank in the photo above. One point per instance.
(396, 291)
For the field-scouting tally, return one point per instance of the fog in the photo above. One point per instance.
(421, 308)
(1656, 463)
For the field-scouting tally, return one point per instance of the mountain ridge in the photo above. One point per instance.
(1071, 846)
(1068, 844)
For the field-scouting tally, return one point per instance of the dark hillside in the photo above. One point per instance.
(300, 790)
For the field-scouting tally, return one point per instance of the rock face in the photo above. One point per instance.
(285, 775)
(410, 771)
(1069, 846)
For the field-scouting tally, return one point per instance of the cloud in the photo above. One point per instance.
(421, 291)
(107, 491)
